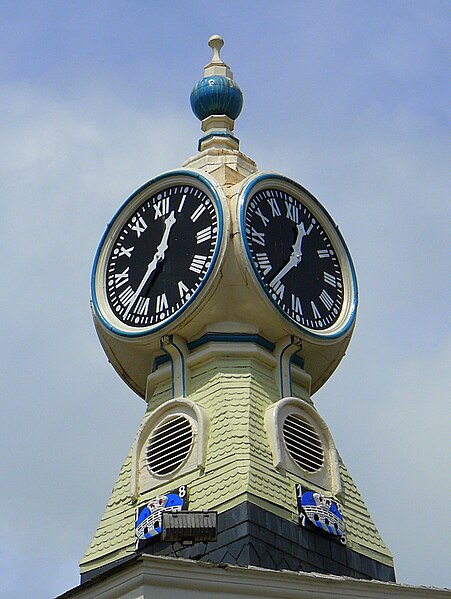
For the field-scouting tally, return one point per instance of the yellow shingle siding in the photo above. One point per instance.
(235, 393)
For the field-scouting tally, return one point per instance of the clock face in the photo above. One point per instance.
(296, 254)
(157, 254)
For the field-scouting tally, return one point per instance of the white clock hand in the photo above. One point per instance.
(295, 258)
(158, 257)
(163, 246)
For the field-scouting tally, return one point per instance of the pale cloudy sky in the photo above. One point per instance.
(351, 98)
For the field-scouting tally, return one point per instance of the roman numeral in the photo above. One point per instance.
(126, 251)
(139, 227)
(259, 213)
(183, 289)
(312, 224)
(126, 296)
(198, 263)
(258, 237)
(142, 306)
(275, 210)
(296, 305)
(203, 235)
(182, 202)
(263, 262)
(161, 207)
(330, 279)
(316, 313)
(122, 277)
(292, 212)
(279, 289)
(323, 253)
(326, 299)
(195, 215)
(162, 303)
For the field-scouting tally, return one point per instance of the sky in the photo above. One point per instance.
(350, 98)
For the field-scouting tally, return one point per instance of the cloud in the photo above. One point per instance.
(67, 420)
(367, 138)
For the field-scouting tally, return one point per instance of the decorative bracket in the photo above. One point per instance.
(284, 351)
(175, 347)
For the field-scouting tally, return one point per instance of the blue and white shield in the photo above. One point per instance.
(149, 516)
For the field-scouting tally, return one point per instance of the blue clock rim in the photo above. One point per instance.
(245, 194)
(151, 331)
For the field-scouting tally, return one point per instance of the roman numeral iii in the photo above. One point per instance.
(203, 235)
(198, 263)
(330, 279)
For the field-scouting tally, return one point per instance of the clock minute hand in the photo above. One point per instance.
(292, 262)
(295, 258)
(297, 251)
(158, 257)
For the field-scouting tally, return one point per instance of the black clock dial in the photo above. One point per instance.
(161, 254)
(294, 258)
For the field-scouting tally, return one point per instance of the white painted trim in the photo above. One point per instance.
(149, 337)
(285, 349)
(345, 324)
(226, 349)
(175, 346)
(142, 480)
(328, 476)
(161, 577)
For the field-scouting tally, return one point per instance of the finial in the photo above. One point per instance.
(216, 42)
(217, 100)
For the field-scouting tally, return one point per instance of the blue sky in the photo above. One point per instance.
(349, 98)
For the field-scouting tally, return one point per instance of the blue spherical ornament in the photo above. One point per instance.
(216, 95)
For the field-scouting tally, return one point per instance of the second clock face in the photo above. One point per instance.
(158, 254)
(293, 255)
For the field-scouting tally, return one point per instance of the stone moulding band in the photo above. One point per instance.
(229, 338)
(180, 356)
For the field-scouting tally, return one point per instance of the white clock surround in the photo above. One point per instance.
(232, 299)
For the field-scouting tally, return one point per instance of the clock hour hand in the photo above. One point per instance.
(158, 257)
(163, 246)
(295, 258)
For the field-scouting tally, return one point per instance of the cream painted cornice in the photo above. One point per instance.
(151, 577)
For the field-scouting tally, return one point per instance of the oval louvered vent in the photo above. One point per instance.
(169, 445)
(303, 443)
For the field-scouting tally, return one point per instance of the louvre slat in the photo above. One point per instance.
(303, 443)
(169, 445)
(165, 428)
(164, 441)
(302, 448)
(307, 432)
(306, 463)
(176, 456)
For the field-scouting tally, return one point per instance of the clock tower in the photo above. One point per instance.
(226, 297)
